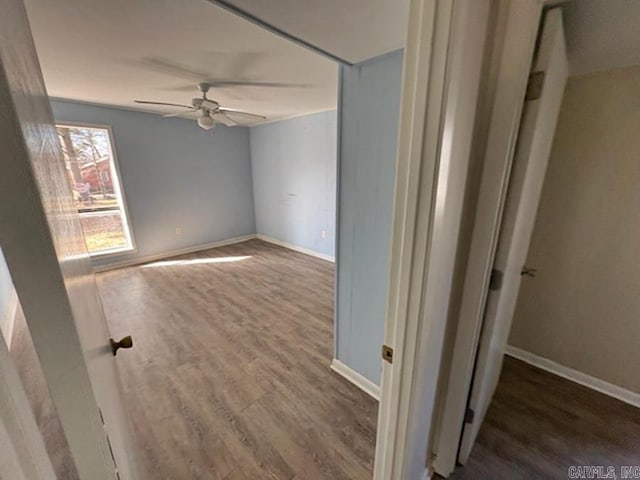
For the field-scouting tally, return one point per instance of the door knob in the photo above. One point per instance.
(529, 272)
(126, 342)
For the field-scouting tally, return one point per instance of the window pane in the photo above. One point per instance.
(103, 231)
(92, 174)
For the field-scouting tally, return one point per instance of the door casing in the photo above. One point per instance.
(515, 60)
(437, 122)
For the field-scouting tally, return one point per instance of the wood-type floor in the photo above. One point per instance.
(229, 379)
(539, 424)
(229, 375)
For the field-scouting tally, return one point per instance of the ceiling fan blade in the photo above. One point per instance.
(239, 113)
(239, 83)
(252, 83)
(163, 65)
(224, 119)
(166, 104)
(182, 113)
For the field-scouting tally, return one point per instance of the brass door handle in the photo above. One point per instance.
(126, 342)
(529, 272)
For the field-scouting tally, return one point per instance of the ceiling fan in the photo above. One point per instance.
(208, 112)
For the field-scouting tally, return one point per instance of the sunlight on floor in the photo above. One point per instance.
(195, 261)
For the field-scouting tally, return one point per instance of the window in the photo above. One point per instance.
(93, 176)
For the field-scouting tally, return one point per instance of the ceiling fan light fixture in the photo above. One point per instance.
(205, 121)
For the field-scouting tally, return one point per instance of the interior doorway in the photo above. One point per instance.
(563, 275)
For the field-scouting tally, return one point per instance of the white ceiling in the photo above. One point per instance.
(602, 34)
(354, 30)
(114, 52)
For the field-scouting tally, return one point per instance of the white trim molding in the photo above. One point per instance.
(206, 246)
(354, 377)
(293, 117)
(295, 248)
(620, 393)
(173, 253)
(512, 44)
(9, 320)
(444, 53)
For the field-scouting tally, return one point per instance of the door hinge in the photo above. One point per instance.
(387, 353)
(495, 281)
(468, 415)
(534, 87)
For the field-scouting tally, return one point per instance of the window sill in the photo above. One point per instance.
(110, 252)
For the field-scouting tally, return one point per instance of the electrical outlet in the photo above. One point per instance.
(178, 230)
(323, 234)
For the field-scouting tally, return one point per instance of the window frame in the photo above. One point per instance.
(118, 188)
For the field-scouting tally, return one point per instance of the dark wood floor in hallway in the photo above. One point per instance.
(229, 375)
(540, 424)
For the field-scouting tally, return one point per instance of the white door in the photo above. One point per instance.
(525, 185)
(42, 241)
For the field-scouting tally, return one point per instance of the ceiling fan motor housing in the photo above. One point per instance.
(205, 103)
(209, 111)
(209, 104)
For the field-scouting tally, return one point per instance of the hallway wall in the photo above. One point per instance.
(582, 309)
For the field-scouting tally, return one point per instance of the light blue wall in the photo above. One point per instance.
(175, 174)
(369, 106)
(294, 180)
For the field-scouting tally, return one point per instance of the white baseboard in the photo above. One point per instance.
(594, 383)
(354, 377)
(173, 253)
(296, 248)
(8, 322)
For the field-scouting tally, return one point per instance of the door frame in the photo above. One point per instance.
(522, 21)
(440, 94)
